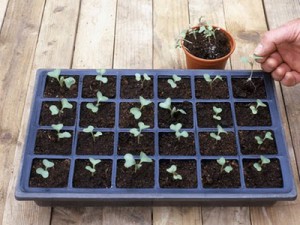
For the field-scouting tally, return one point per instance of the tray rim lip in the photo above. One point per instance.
(20, 194)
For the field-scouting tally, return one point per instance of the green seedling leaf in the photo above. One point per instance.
(146, 77)
(207, 78)
(257, 167)
(57, 127)
(215, 136)
(101, 98)
(92, 107)
(136, 112)
(94, 161)
(172, 83)
(98, 134)
(258, 140)
(221, 161)
(176, 127)
(102, 79)
(218, 77)
(166, 104)
(176, 78)
(268, 135)
(144, 158)
(201, 29)
(42, 172)
(64, 135)
(217, 110)
(228, 169)
(182, 134)
(89, 129)
(47, 163)
(177, 176)
(92, 170)
(244, 59)
(180, 110)
(172, 169)
(135, 132)
(144, 102)
(129, 160)
(217, 117)
(260, 103)
(264, 160)
(253, 109)
(221, 130)
(55, 74)
(138, 77)
(54, 110)
(65, 104)
(142, 126)
(69, 82)
(257, 57)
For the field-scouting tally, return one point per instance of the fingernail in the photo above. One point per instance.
(259, 50)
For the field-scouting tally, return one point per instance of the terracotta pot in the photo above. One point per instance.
(193, 62)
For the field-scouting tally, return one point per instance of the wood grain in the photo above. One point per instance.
(3, 7)
(55, 39)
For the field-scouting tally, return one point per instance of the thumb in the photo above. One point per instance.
(273, 38)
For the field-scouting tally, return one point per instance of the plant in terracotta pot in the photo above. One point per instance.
(206, 46)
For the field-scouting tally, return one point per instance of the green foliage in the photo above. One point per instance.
(100, 98)
(167, 105)
(64, 105)
(92, 168)
(207, 30)
(260, 140)
(258, 165)
(177, 128)
(217, 111)
(172, 170)
(217, 136)
(222, 161)
(250, 60)
(130, 161)
(173, 81)
(142, 78)
(100, 76)
(209, 80)
(137, 112)
(61, 80)
(259, 103)
(58, 128)
(90, 129)
(44, 172)
(138, 132)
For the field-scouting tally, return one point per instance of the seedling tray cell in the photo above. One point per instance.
(196, 157)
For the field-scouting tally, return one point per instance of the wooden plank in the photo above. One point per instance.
(55, 39)
(170, 18)
(3, 7)
(17, 45)
(93, 49)
(279, 12)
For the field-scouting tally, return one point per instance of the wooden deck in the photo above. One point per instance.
(125, 34)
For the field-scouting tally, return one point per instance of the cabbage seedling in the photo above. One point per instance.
(167, 105)
(217, 111)
(130, 161)
(217, 136)
(61, 80)
(64, 105)
(44, 172)
(259, 103)
(90, 129)
(100, 76)
(58, 128)
(177, 128)
(137, 112)
(250, 60)
(173, 81)
(92, 168)
(221, 161)
(260, 140)
(142, 78)
(263, 160)
(209, 80)
(172, 170)
(100, 98)
(138, 132)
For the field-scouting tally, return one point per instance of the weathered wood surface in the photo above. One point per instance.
(124, 34)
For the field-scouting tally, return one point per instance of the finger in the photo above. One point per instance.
(279, 73)
(291, 78)
(272, 62)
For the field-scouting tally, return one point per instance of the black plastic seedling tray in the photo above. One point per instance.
(157, 194)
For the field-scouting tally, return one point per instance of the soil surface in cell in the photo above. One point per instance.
(54, 90)
(182, 91)
(91, 86)
(169, 144)
(246, 89)
(129, 144)
(131, 88)
(218, 89)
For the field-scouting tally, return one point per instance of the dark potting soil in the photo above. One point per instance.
(130, 88)
(128, 178)
(105, 117)
(249, 145)
(210, 146)
(182, 91)
(214, 177)
(170, 145)
(54, 90)
(58, 175)
(67, 118)
(85, 179)
(127, 119)
(243, 89)
(245, 117)
(91, 86)
(217, 90)
(47, 142)
(186, 168)
(165, 119)
(208, 48)
(205, 114)
(129, 144)
(103, 145)
(269, 177)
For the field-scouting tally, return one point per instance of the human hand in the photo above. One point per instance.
(280, 49)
